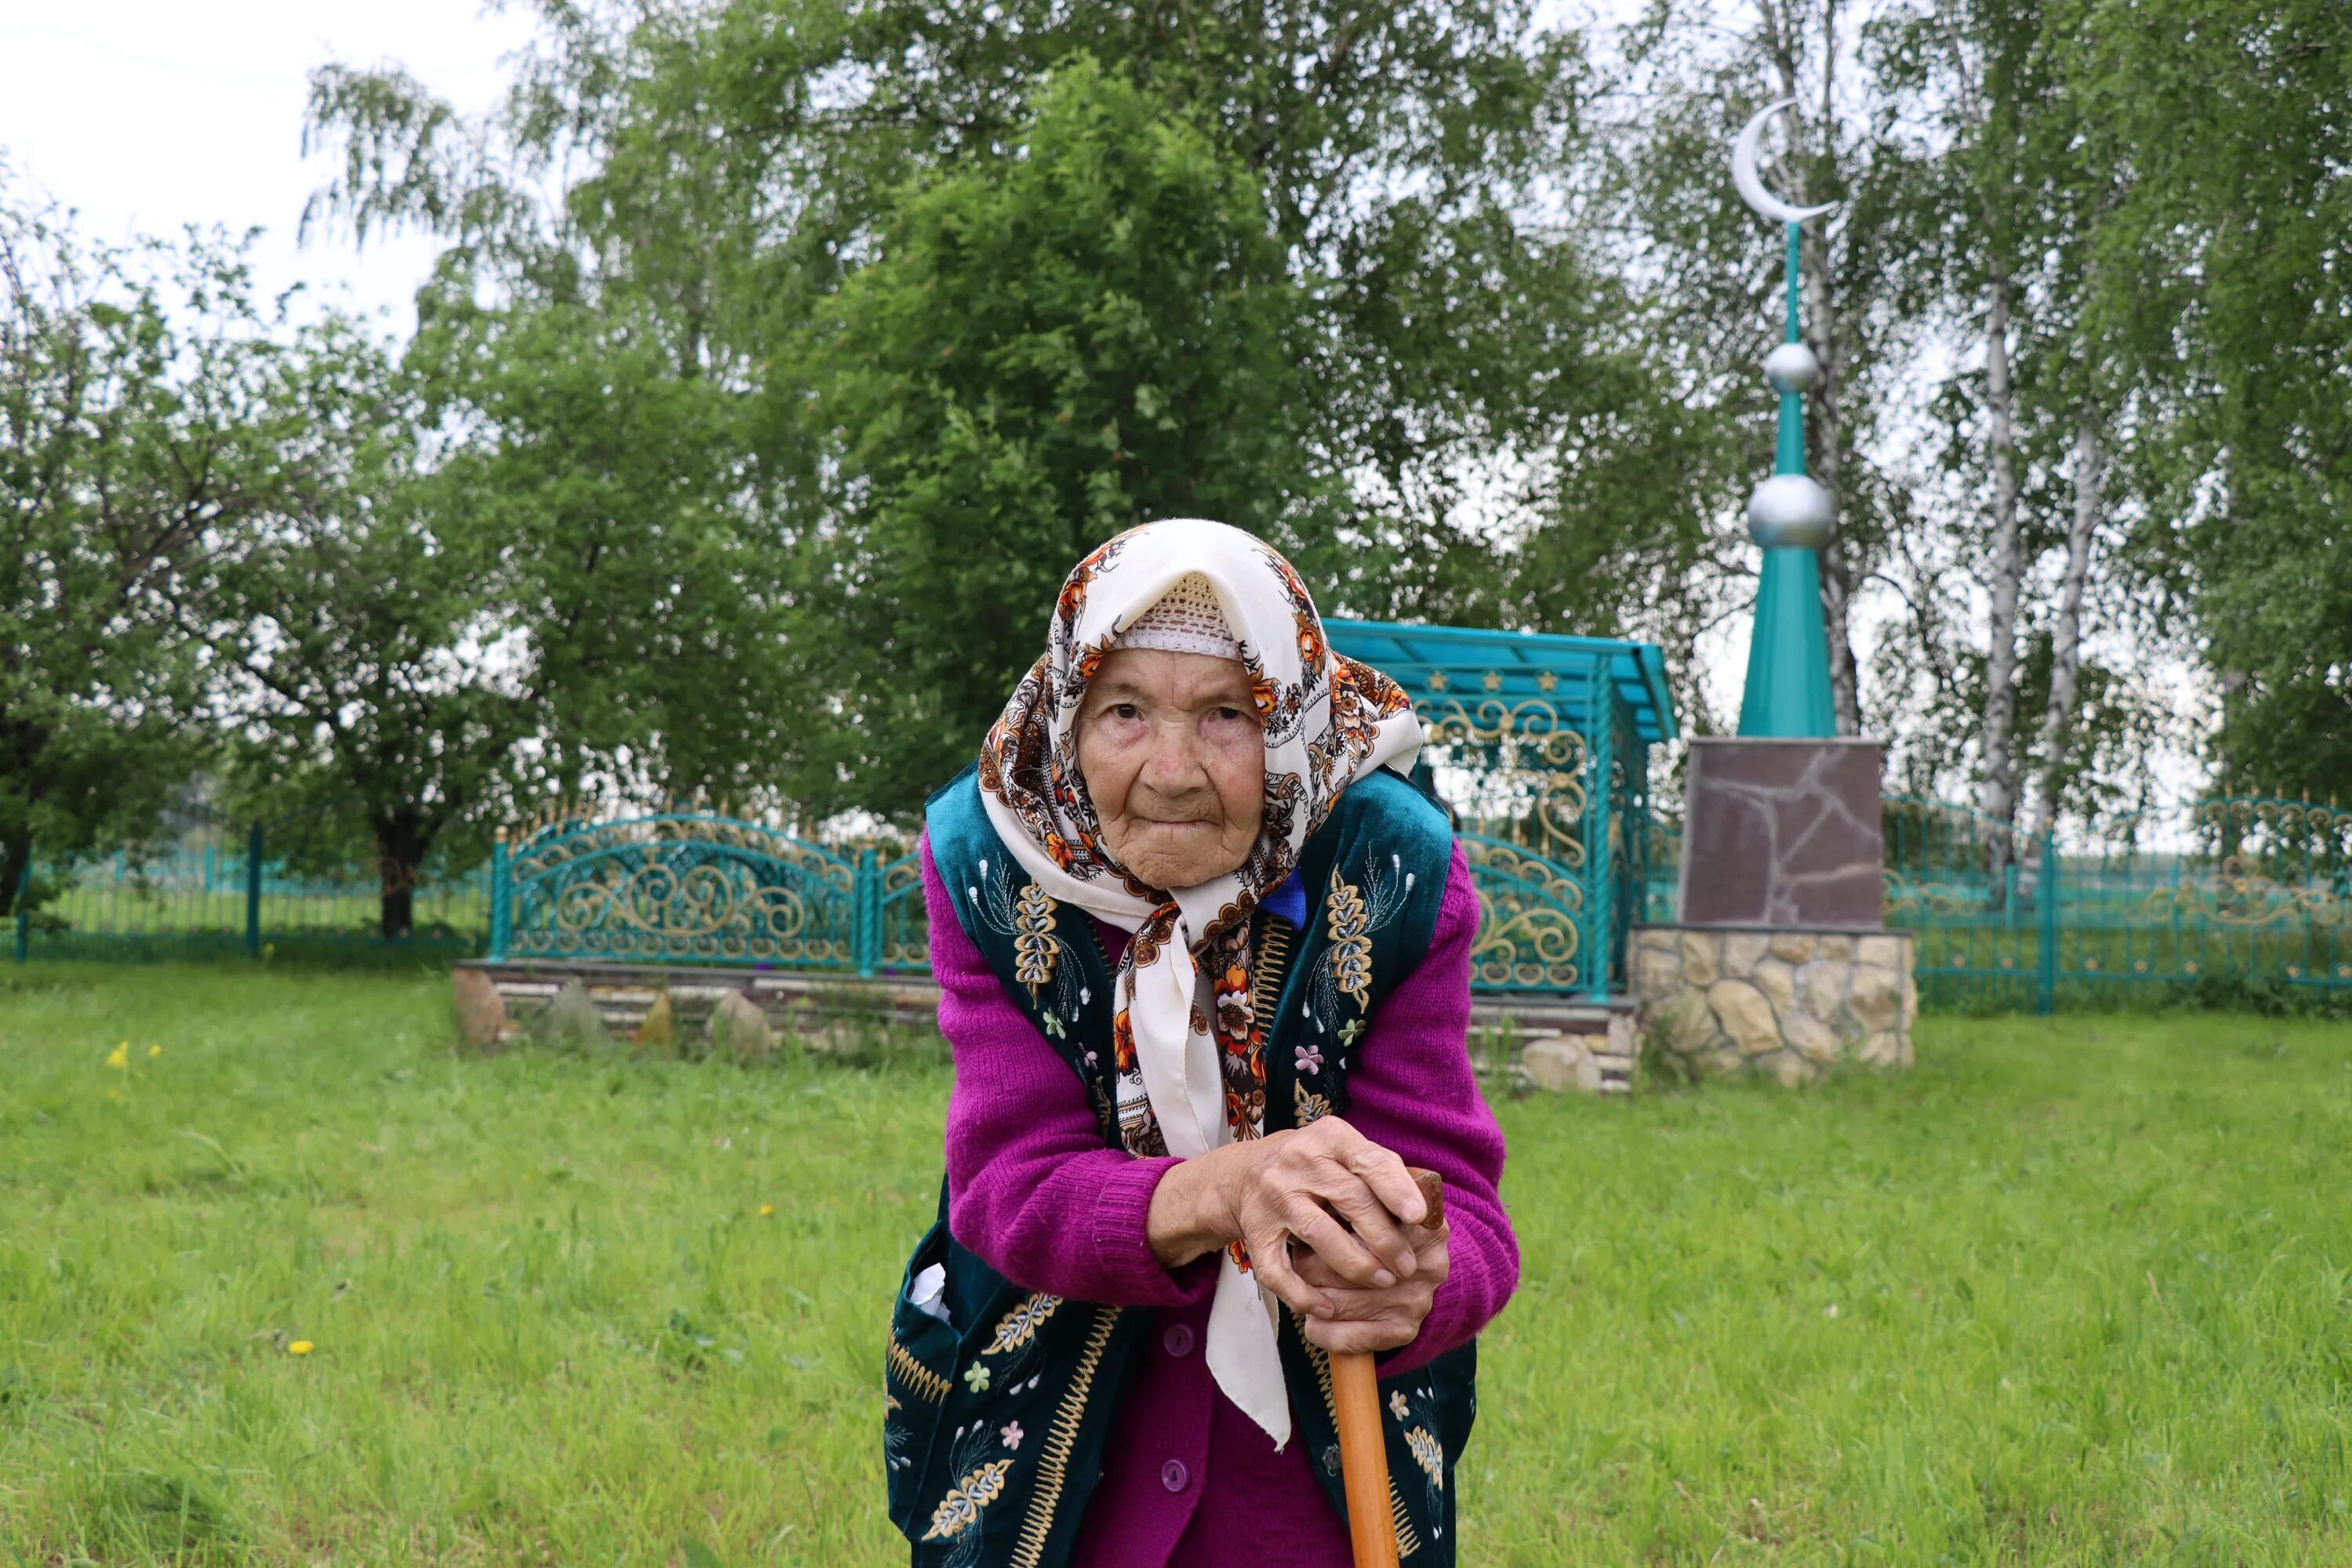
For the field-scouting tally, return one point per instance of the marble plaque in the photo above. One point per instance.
(1783, 834)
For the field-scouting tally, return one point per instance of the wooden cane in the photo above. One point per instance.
(1363, 1457)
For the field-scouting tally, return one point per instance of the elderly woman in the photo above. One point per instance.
(1204, 962)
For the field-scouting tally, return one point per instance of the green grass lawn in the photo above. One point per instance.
(2073, 1292)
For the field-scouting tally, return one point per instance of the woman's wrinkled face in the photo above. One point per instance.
(1175, 760)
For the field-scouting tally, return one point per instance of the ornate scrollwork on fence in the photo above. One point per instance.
(906, 927)
(1947, 900)
(2301, 823)
(683, 889)
(2232, 894)
(1526, 765)
(1530, 909)
(1949, 862)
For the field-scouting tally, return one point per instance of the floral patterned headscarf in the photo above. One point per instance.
(1190, 1071)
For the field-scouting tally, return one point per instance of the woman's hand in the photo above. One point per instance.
(1376, 1318)
(1343, 1198)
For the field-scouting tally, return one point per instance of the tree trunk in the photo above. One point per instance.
(2066, 637)
(16, 856)
(400, 842)
(1997, 797)
(1825, 459)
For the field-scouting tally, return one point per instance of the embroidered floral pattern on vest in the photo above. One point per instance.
(1353, 913)
(1416, 1415)
(1041, 959)
(1036, 950)
(1020, 1326)
(961, 1508)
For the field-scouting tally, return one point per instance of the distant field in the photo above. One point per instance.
(2074, 1291)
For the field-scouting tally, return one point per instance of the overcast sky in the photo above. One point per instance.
(147, 115)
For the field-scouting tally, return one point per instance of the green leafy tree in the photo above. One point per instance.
(1466, 379)
(376, 698)
(2229, 316)
(495, 581)
(634, 577)
(1093, 332)
(138, 439)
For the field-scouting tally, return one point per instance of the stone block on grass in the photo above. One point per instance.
(481, 1012)
(1561, 1063)
(1813, 1039)
(1778, 983)
(1876, 999)
(1657, 971)
(570, 1021)
(657, 1030)
(739, 1031)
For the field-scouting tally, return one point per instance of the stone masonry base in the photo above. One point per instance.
(1786, 1004)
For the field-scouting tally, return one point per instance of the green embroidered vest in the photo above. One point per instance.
(995, 1419)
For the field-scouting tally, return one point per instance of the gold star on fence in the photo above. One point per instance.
(1437, 681)
(1494, 681)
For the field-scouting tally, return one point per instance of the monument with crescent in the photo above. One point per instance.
(1778, 962)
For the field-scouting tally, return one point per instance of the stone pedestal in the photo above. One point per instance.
(1780, 965)
(1783, 834)
(1715, 1000)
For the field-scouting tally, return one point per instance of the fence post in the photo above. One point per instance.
(867, 914)
(501, 914)
(24, 913)
(253, 848)
(2045, 996)
(1599, 819)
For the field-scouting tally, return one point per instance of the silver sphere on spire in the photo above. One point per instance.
(1792, 367)
(1790, 510)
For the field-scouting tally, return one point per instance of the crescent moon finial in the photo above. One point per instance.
(1751, 184)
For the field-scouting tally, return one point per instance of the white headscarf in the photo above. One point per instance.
(1185, 1082)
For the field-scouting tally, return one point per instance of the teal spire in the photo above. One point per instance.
(1788, 691)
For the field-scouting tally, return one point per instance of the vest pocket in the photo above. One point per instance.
(918, 1373)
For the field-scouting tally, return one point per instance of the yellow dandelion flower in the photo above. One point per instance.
(767, 1210)
(300, 1347)
(120, 1057)
(154, 1051)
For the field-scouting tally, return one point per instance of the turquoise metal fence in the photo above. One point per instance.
(2239, 890)
(2243, 890)
(691, 888)
(1972, 893)
(307, 883)
(696, 888)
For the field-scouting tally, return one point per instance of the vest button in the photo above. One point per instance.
(1174, 1475)
(1178, 1339)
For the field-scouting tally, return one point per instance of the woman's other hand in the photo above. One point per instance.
(1376, 1318)
(1344, 1199)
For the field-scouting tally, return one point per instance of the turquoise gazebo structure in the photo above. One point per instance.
(1541, 746)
